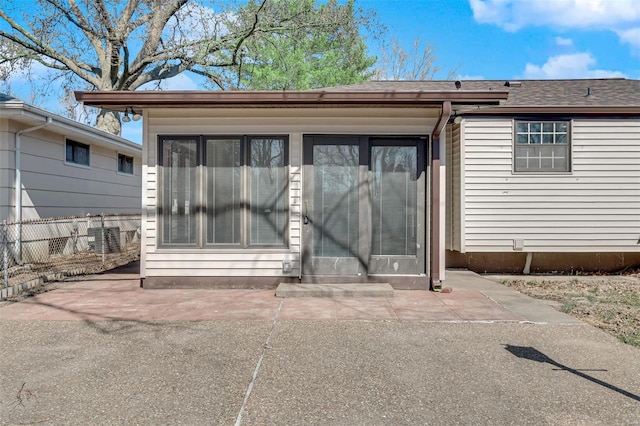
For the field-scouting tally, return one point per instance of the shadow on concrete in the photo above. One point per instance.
(532, 354)
(129, 268)
(108, 324)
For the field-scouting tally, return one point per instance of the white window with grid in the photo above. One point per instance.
(542, 146)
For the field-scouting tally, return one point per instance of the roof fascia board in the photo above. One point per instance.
(155, 99)
(66, 126)
(565, 109)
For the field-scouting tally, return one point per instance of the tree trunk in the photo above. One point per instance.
(109, 121)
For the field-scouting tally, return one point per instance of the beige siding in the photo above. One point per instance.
(7, 176)
(594, 208)
(292, 122)
(454, 188)
(53, 187)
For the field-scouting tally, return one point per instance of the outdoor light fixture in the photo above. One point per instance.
(135, 115)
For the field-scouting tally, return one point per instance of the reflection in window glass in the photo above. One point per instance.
(76, 152)
(224, 191)
(179, 162)
(542, 146)
(268, 191)
(335, 198)
(394, 200)
(125, 164)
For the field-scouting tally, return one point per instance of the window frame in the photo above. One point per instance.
(202, 193)
(75, 144)
(542, 121)
(133, 164)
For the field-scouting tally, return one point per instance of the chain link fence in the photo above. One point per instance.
(57, 247)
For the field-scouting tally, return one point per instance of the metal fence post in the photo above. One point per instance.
(75, 236)
(18, 246)
(103, 237)
(5, 252)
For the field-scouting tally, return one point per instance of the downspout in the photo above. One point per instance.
(18, 184)
(436, 253)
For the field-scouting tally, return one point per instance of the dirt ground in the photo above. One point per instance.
(611, 303)
(62, 270)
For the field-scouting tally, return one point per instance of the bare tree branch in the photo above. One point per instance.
(34, 45)
(124, 44)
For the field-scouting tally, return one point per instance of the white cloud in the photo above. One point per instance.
(180, 82)
(561, 41)
(515, 14)
(576, 65)
(620, 16)
(631, 36)
(471, 77)
(34, 71)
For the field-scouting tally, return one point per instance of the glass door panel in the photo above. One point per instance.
(363, 206)
(332, 207)
(393, 197)
(335, 191)
(397, 207)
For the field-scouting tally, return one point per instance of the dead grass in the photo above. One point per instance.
(610, 303)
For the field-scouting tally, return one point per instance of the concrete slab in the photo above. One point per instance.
(334, 290)
(472, 356)
(126, 372)
(412, 373)
(520, 304)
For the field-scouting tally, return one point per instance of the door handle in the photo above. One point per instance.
(305, 216)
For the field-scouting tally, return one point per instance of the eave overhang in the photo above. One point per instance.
(554, 110)
(119, 100)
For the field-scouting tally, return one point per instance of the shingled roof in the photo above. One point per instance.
(603, 92)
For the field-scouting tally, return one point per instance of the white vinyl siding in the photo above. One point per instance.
(595, 208)
(260, 122)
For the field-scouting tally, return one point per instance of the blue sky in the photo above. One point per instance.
(537, 39)
(500, 39)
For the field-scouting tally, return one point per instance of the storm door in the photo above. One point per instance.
(363, 206)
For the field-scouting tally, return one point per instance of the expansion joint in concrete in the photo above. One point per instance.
(258, 365)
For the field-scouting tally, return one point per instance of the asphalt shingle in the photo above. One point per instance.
(604, 92)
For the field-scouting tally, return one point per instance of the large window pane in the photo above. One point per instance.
(394, 198)
(335, 197)
(224, 191)
(179, 162)
(268, 191)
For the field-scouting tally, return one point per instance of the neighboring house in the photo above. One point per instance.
(383, 181)
(63, 167)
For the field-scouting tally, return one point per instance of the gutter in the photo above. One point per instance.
(555, 109)
(120, 100)
(437, 210)
(18, 183)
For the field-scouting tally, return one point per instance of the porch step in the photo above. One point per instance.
(334, 290)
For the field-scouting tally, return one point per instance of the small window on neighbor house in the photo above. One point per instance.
(77, 153)
(125, 164)
(542, 146)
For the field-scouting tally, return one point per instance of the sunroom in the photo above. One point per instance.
(251, 189)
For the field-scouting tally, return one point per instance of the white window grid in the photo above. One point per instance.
(543, 135)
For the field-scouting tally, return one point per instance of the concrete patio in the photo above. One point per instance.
(104, 351)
